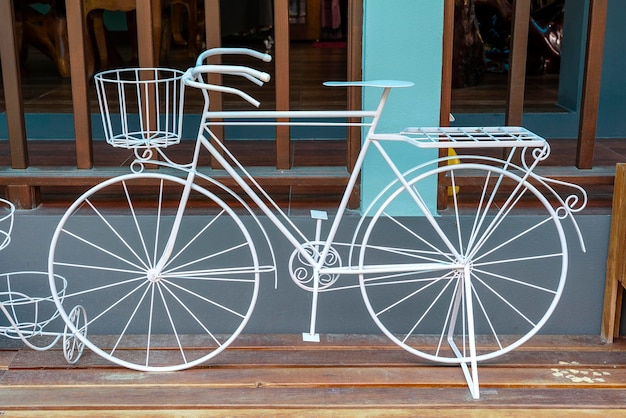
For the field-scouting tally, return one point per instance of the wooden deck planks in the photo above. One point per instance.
(433, 376)
(411, 400)
(279, 375)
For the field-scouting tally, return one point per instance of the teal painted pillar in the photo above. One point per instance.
(612, 107)
(402, 40)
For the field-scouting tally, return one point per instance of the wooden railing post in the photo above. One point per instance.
(80, 97)
(447, 49)
(22, 196)
(213, 37)
(447, 46)
(12, 83)
(591, 83)
(355, 72)
(281, 78)
(616, 260)
(517, 63)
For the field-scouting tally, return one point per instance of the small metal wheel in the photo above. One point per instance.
(72, 346)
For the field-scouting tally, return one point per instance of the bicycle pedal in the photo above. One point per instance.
(311, 338)
(319, 214)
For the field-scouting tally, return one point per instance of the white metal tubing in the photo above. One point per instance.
(354, 176)
(511, 137)
(257, 200)
(418, 200)
(167, 252)
(291, 114)
(232, 51)
(392, 268)
(240, 70)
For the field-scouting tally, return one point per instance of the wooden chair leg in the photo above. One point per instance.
(616, 259)
(99, 32)
(177, 13)
(48, 33)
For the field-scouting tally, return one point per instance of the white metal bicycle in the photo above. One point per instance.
(462, 287)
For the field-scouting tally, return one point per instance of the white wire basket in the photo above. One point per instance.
(141, 107)
(7, 210)
(27, 304)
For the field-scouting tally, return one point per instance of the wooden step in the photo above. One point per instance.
(344, 375)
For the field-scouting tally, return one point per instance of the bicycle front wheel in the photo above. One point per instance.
(489, 270)
(108, 245)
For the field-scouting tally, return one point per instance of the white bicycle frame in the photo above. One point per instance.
(510, 137)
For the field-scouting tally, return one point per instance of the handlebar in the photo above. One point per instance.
(232, 51)
(256, 76)
(193, 75)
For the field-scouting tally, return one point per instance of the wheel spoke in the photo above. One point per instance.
(140, 233)
(91, 290)
(509, 304)
(122, 334)
(208, 257)
(427, 310)
(193, 240)
(205, 299)
(103, 250)
(516, 281)
(511, 240)
(172, 322)
(420, 239)
(428, 256)
(486, 316)
(112, 229)
(485, 203)
(193, 315)
(500, 217)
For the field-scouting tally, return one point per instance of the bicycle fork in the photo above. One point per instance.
(155, 273)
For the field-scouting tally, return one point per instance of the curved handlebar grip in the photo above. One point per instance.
(232, 51)
(251, 74)
(189, 81)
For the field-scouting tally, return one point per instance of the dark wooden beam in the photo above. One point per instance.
(446, 63)
(447, 49)
(12, 84)
(281, 78)
(355, 72)
(591, 83)
(517, 63)
(148, 24)
(213, 36)
(80, 97)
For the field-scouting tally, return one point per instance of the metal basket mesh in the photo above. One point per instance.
(141, 107)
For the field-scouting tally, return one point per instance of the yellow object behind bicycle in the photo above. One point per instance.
(452, 153)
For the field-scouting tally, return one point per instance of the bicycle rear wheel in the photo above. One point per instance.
(107, 246)
(509, 253)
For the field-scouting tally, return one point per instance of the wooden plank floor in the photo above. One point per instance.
(344, 375)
